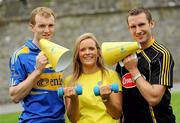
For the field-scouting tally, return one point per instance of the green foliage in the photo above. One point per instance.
(176, 105)
(13, 117)
(9, 118)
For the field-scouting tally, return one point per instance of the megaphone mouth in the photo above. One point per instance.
(59, 57)
(64, 61)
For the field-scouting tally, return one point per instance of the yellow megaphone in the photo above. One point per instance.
(59, 57)
(114, 52)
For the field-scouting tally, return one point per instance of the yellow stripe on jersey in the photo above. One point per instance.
(152, 114)
(35, 92)
(147, 58)
(49, 81)
(143, 53)
(166, 63)
(23, 50)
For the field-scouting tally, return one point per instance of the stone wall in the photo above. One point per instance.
(105, 18)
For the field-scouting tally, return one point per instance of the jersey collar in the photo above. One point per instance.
(31, 45)
(152, 40)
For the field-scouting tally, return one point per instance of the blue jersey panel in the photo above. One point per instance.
(42, 105)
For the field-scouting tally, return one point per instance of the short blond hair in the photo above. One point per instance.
(43, 11)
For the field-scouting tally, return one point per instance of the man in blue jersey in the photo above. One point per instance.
(31, 83)
(147, 79)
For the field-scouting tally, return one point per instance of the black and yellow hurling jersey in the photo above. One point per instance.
(156, 65)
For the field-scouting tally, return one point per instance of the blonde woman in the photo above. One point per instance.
(89, 71)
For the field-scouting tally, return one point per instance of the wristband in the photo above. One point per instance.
(136, 77)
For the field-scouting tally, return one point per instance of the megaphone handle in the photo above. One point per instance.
(133, 55)
(48, 66)
(121, 63)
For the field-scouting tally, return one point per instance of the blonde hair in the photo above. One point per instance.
(43, 11)
(77, 65)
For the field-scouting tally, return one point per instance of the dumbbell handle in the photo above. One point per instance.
(114, 87)
(78, 90)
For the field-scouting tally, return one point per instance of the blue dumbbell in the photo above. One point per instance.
(114, 87)
(78, 89)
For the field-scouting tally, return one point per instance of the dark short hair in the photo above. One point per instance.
(137, 11)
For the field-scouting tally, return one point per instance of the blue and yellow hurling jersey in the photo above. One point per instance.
(42, 104)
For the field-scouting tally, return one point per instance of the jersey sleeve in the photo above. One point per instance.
(17, 71)
(162, 70)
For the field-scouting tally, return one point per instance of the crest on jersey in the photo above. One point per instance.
(127, 81)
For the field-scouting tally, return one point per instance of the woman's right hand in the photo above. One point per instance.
(70, 92)
(105, 91)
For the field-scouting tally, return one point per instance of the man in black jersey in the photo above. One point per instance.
(148, 78)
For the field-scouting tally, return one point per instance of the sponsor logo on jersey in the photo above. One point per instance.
(49, 81)
(127, 81)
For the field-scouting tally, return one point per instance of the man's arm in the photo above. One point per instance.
(21, 90)
(152, 93)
